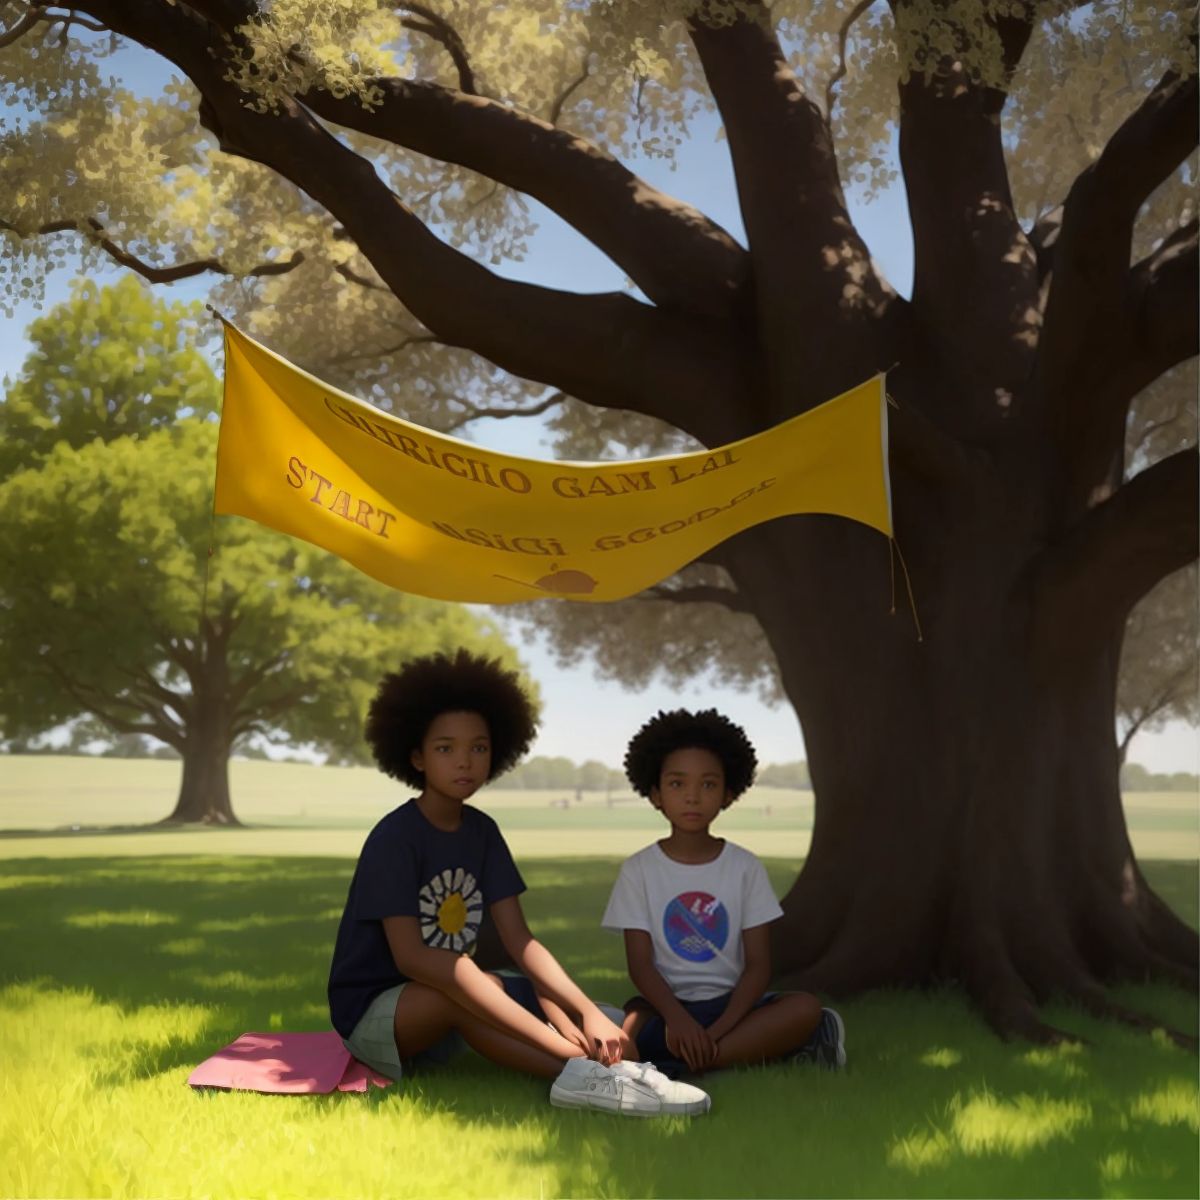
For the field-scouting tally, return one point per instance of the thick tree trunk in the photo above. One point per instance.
(204, 788)
(968, 825)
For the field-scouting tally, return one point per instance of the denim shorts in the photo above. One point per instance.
(652, 1037)
(373, 1039)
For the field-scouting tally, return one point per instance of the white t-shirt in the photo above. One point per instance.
(694, 914)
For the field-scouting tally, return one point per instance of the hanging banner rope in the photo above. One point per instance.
(440, 517)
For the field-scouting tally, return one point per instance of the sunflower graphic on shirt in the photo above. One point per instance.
(451, 907)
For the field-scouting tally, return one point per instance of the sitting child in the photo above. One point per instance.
(402, 982)
(694, 910)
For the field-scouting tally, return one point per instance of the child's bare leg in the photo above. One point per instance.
(784, 1024)
(507, 1051)
(635, 1020)
(424, 1016)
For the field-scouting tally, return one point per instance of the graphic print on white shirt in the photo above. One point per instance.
(694, 914)
(696, 926)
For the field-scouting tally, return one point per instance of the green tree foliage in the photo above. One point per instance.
(106, 500)
(1160, 674)
(1136, 778)
(110, 362)
(593, 776)
(104, 550)
(784, 775)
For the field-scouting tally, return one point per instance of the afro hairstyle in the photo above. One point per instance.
(408, 701)
(683, 730)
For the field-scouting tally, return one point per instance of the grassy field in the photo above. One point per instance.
(297, 809)
(127, 957)
(119, 974)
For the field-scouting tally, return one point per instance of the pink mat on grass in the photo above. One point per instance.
(296, 1064)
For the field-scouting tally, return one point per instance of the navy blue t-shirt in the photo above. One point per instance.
(410, 868)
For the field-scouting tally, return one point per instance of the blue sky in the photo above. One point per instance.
(584, 717)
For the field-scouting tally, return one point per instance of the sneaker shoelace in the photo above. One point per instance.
(615, 1085)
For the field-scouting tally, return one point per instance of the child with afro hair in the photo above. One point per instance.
(402, 984)
(695, 910)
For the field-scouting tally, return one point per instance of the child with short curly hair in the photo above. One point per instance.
(694, 910)
(402, 984)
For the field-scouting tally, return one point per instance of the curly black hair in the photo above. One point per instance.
(408, 701)
(684, 730)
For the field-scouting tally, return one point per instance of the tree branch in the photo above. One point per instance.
(349, 274)
(1117, 553)
(93, 231)
(266, 708)
(1157, 329)
(811, 270)
(1165, 287)
(967, 241)
(1178, 685)
(609, 349)
(699, 594)
(1091, 306)
(26, 22)
(99, 704)
(475, 414)
(677, 256)
(438, 28)
(143, 686)
(556, 108)
(416, 339)
(843, 37)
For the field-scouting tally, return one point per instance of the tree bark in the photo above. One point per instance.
(208, 741)
(204, 788)
(969, 827)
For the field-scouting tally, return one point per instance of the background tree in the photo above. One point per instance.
(593, 776)
(102, 551)
(784, 775)
(1159, 678)
(113, 361)
(106, 534)
(363, 162)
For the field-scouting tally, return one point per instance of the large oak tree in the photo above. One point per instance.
(363, 161)
(112, 609)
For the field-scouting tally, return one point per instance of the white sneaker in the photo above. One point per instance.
(676, 1097)
(584, 1083)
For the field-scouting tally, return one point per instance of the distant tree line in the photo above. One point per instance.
(537, 774)
(1135, 778)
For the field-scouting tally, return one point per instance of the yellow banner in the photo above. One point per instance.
(440, 517)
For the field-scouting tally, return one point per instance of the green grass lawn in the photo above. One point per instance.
(118, 974)
(51, 806)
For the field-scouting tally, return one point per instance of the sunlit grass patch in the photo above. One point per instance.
(1175, 1103)
(984, 1124)
(135, 917)
(1063, 1060)
(940, 1056)
(103, 1022)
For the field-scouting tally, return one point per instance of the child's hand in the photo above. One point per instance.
(606, 1042)
(689, 1040)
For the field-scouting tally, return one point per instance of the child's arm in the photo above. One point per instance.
(606, 1041)
(685, 1035)
(559, 1019)
(457, 976)
(749, 991)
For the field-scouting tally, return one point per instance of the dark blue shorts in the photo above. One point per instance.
(652, 1037)
(519, 988)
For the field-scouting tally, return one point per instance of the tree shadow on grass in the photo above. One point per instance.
(933, 1104)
